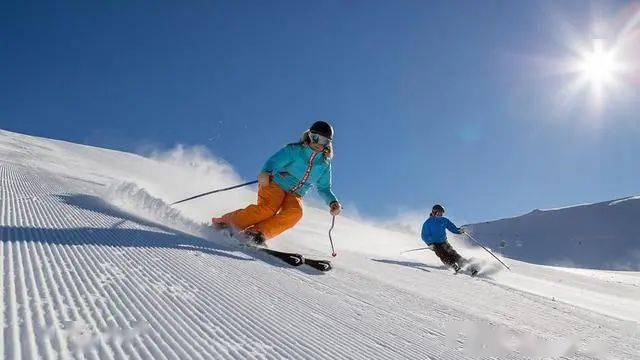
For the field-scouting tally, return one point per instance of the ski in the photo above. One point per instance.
(292, 259)
(469, 268)
(296, 259)
(322, 265)
(472, 267)
(471, 272)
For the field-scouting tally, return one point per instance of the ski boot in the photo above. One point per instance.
(468, 266)
(473, 270)
(254, 237)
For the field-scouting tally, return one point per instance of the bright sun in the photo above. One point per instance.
(598, 69)
(598, 66)
(602, 71)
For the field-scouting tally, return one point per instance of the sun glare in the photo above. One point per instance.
(598, 66)
(602, 71)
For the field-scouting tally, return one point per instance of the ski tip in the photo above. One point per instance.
(321, 265)
(297, 260)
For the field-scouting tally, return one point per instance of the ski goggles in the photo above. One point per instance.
(319, 139)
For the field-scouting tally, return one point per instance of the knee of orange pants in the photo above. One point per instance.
(270, 199)
(290, 214)
(251, 215)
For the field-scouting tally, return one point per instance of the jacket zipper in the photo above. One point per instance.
(306, 174)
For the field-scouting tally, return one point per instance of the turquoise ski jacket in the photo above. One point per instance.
(296, 167)
(434, 230)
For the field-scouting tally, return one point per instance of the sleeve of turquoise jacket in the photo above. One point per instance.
(324, 186)
(278, 160)
(454, 229)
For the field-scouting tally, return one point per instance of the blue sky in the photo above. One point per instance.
(457, 102)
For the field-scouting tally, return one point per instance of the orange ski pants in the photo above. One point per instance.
(275, 212)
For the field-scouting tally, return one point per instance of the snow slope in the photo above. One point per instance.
(600, 236)
(96, 265)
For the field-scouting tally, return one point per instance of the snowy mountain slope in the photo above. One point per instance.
(599, 236)
(95, 266)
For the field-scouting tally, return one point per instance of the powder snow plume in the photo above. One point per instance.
(136, 200)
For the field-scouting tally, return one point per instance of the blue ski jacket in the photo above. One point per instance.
(434, 230)
(297, 167)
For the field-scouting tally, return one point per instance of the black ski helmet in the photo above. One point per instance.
(437, 207)
(322, 128)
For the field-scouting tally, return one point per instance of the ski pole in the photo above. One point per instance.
(333, 223)
(215, 191)
(489, 251)
(417, 249)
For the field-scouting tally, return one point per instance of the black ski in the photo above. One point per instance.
(296, 259)
(290, 258)
(293, 259)
(471, 272)
(469, 267)
(322, 265)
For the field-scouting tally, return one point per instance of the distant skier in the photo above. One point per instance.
(435, 236)
(285, 179)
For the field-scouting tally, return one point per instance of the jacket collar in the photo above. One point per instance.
(308, 151)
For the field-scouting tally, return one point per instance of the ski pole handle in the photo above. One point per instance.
(333, 223)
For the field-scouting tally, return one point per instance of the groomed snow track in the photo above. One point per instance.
(83, 279)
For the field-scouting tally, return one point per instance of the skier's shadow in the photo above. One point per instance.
(117, 235)
(415, 265)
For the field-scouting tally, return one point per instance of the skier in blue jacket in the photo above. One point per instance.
(434, 234)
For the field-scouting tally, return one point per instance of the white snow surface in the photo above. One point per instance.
(96, 265)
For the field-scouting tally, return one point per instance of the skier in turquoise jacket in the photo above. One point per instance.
(290, 165)
(282, 183)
